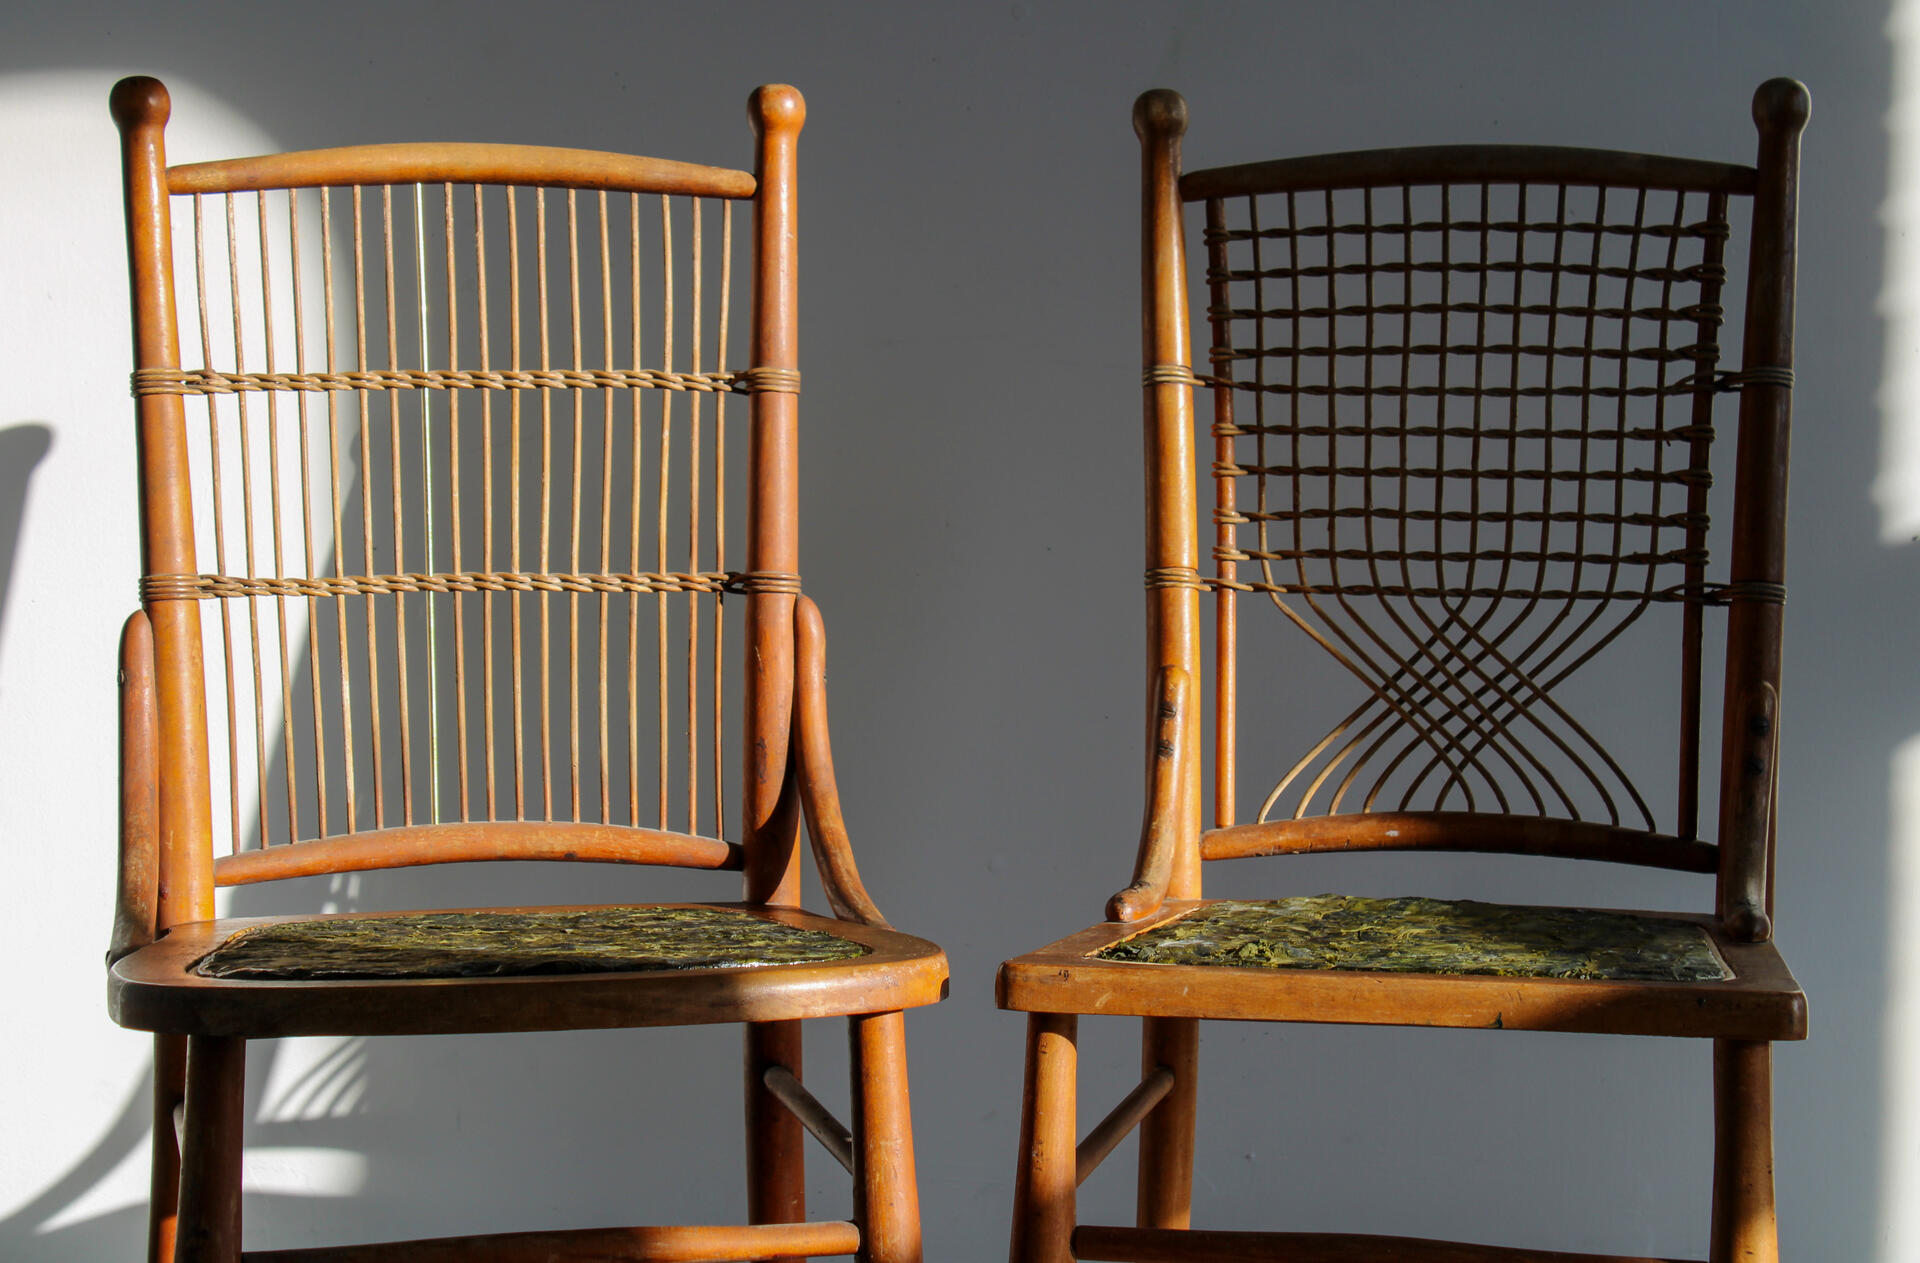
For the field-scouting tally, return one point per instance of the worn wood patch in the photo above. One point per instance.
(1430, 936)
(508, 944)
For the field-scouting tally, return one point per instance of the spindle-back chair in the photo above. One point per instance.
(1463, 415)
(459, 488)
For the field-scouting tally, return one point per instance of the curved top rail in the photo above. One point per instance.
(1462, 164)
(459, 163)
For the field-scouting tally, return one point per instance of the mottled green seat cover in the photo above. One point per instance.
(1430, 936)
(508, 944)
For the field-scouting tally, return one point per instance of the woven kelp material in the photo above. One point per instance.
(1430, 936)
(508, 944)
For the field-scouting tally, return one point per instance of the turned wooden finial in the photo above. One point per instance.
(1781, 105)
(1160, 111)
(139, 100)
(777, 107)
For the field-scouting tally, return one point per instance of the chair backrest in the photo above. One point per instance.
(439, 436)
(1463, 412)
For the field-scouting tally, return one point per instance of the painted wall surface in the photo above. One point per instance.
(971, 523)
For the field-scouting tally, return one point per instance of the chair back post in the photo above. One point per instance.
(1750, 720)
(140, 107)
(1173, 582)
(773, 518)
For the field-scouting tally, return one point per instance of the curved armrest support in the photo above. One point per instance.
(1158, 832)
(819, 794)
(137, 901)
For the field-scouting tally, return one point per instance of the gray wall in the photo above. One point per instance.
(968, 218)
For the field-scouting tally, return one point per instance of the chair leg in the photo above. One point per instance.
(216, 1080)
(169, 1089)
(1744, 1229)
(886, 1197)
(776, 1154)
(1044, 1184)
(1166, 1135)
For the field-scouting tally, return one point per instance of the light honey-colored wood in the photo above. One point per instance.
(417, 730)
(1330, 401)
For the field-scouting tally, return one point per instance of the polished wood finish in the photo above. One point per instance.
(156, 990)
(1047, 1173)
(886, 1200)
(1460, 745)
(216, 1116)
(136, 909)
(435, 697)
(1442, 164)
(672, 1244)
(462, 164)
(1459, 831)
(1120, 1122)
(406, 846)
(1761, 1001)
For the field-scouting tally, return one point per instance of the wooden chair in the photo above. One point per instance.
(460, 456)
(1463, 408)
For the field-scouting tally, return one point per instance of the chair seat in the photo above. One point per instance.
(1417, 962)
(504, 969)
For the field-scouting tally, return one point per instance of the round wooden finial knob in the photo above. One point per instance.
(139, 99)
(1782, 105)
(1160, 111)
(777, 107)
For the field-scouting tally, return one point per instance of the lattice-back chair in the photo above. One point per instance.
(439, 544)
(1464, 401)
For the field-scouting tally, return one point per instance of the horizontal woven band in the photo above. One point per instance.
(206, 381)
(202, 587)
(1764, 376)
(1169, 375)
(1175, 577)
(1749, 591)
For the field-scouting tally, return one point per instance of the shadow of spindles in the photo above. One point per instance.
(22, 447)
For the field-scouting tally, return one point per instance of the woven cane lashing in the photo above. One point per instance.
(468, 493)
(1464, 446)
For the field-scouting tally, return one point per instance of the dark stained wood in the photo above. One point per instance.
(216, 1115)
(1505, 164)
(1459, 831)
(460, 164)
(674, 1244)
(1748, 732)
(1267, 280)
(405, 846)
(154, 989)
(1148, 1245)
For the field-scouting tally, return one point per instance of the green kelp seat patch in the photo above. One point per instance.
(511, 944)
(1430, 936)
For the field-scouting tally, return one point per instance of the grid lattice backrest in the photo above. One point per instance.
(464, 467)
(1462, 423)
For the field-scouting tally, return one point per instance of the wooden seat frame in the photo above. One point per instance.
(168, 872)
(1054, 985)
